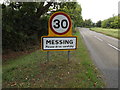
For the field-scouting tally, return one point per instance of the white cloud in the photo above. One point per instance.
(98, 9)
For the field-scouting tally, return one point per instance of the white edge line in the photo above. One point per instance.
(114, 47)
(98, 38)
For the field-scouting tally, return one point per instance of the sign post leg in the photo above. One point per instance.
(68, 56)
(47, 56)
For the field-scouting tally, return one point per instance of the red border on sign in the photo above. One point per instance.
(60, 13)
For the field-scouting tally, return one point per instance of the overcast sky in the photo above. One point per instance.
(98, 9)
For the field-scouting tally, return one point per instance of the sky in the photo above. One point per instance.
(98, 9)
(1, 1)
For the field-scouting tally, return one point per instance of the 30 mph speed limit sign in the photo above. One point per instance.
(60, 23)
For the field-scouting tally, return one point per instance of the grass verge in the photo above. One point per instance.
(32, 71)
(110, 32)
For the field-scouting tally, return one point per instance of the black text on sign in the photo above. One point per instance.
(59, 43)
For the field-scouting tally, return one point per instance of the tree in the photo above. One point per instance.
(119, 21)
(88, 23)
(98, 24)
(112, 22)
(21, 22)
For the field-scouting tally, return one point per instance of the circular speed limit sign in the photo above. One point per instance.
(60, 23)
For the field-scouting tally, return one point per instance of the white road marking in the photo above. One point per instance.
(114, 47)
(98, 38)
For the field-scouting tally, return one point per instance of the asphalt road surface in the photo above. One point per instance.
(104, 52)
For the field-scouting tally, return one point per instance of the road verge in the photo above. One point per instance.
(33, 70)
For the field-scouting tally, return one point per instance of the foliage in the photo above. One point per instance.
(88, 23)
(111, 22)
(22, 25)
(98, 24)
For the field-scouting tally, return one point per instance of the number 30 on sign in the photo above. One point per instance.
(60, 24)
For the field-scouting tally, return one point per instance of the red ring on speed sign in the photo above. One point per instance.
(60, 13)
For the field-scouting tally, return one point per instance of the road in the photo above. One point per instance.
(104, 52)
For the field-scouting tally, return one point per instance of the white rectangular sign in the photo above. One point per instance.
(59, 43)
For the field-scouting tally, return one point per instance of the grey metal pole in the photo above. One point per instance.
(47, 56)
(68, 56)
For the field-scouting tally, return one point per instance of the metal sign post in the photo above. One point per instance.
(68, 56)
(47, 56)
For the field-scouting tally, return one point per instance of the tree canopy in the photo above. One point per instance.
(112, 22)
(23, 23)
(88, 23)
(98, 24)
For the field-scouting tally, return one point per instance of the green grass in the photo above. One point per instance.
(32, 71)
(110, 32)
